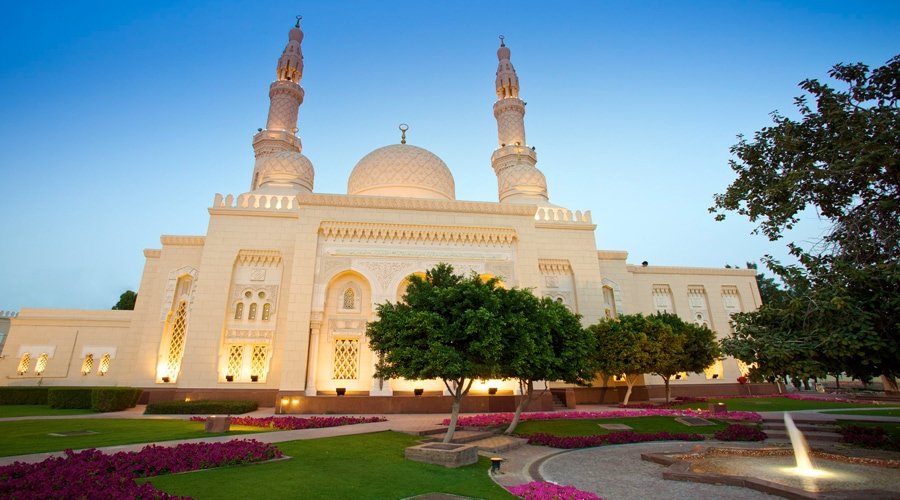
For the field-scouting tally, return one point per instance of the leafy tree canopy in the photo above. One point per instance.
(126, 301)
(625, 345)
(842, 159)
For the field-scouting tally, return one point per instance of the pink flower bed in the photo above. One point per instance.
(296, 423)
(498, 419)
(626, 437)
(542, 490)
(94, 474)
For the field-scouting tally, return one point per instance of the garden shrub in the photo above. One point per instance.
(542, 490)
(94, 474)
(568, 442)
(201, 407)
(869, 437)
(114, 398)
(737, 432)
(297, 423)
(23, 395)
(69, 397)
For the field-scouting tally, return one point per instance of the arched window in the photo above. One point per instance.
(267, 311)
(41, 364)
(252, 314)
(349, 299)
(239, 311)
(104, 365)
(87, 365)
(24, 363)
(176, 341)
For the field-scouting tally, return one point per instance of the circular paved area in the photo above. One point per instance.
(618, 473)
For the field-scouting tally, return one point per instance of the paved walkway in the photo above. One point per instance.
(614, 472)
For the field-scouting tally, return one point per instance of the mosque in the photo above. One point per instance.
(272, 303)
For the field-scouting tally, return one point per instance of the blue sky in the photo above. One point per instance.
(121, 120)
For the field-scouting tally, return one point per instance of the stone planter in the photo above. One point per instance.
(447, 454)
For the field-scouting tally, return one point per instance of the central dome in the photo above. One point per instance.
(403, 171)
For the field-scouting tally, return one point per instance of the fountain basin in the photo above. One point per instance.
(774, 471)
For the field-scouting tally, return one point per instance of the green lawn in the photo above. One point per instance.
(361, 466)
(775, 404)
(37, 411)
(887, 412)
(577, 427)
(21, 437)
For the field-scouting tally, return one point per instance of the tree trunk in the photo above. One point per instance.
(454, 416)
(526, 398)
(668, 394)
(890, 385)
(837, 381)
(629, 382)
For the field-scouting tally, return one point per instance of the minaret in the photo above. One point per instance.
(280, 167)
(518, 180)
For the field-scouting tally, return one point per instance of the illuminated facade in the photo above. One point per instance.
(273, 301)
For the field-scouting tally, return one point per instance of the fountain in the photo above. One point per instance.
(785, 472)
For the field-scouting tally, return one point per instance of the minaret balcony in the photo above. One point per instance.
(513, 154)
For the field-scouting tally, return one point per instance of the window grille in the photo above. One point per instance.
(258, 360)
(349, 299)
(24, 363)
(239, 310)
(252, 313)
(41, 363)
(267, 310)
(87, 365)
(346, 359)
(176, 341)
(235, 360)
(104, 364)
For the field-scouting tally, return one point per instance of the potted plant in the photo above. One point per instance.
(492, 390)
(418, 391)
(254, 378)
(229, 378)
(341, 391)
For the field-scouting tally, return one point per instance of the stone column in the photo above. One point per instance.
(315, 324)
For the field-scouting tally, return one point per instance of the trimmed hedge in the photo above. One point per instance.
(114, 398)
(201, 407)
(23, 395)
(69, 397)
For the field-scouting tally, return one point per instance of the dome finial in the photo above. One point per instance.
(501, 41)
(403, 128)
(298, 21)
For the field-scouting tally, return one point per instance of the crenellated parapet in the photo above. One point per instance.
(559, 215)
(8, 314)
(255, 201)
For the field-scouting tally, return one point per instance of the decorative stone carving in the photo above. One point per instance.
(402, 170)
(258, 275)
(551, 281)
(395, 233)
(450, 206)
(385, 271)
(172, 283)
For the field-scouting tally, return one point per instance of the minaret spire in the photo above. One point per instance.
(279, 164)
(518, 180)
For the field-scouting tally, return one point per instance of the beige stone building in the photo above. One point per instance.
(273, 301)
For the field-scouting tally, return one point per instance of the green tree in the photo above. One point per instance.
(126, 301)
(840, 159)
(625, 345)
(543, 340)
(684, 347)
(447, 327)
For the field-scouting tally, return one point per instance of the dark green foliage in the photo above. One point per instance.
(23, 395)
(543, 340)
(841, 311)
(685, 347)
(114, 398)
(126, 301)
(69, 397)
(627, 345)
(201, 407)
(448, 326)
